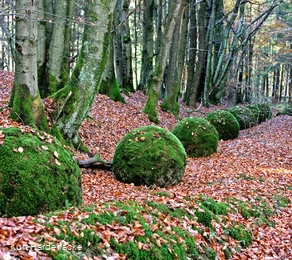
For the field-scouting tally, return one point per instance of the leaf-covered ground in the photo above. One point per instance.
(249, 180)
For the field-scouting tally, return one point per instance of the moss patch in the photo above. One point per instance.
(37, 174)
(198, 136)
(225, 123)
(149, 155)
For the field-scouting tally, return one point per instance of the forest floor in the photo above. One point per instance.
(251, 174)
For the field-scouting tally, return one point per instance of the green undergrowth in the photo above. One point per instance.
(188, 229)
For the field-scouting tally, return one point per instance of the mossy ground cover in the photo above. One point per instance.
(37, 174)
(153, 230)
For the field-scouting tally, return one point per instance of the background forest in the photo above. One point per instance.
(211, 51)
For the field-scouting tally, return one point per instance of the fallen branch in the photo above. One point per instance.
(95, 162)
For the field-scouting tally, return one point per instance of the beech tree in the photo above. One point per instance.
(75, 99)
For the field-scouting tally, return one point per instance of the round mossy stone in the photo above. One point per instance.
(198, 136)
(287, 111)
(265, 112)
(37, 174)
(225, 123)
(149, 155)
(262, 112)
(244, 116)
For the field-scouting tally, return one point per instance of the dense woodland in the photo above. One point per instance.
(79, 76)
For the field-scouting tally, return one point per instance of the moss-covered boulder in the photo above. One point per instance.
(225, 123)
(286, 111)
(262, 112)
(37, 174)
(198, 136)
(149, 155)
(244, 116)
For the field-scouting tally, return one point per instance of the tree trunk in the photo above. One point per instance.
(26, 103)
(59, 48)
(75, 100)
(170, 103)
(109, 84)
(190, 95)
(290, 84)
(148, 45)
(209, 67)
(155, 82)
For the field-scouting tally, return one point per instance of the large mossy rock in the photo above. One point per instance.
(225, 123)
(244, 116)
(262, 112)
(286, 111)
(149, 155)
(198, 136)
(37, 174)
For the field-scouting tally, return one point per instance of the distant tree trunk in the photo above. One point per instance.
(59, 48)
(155, 82)
(148, 45)
(209, 67)
(75, 100)
(190, 95)
(25, 100)
(290, 84)
(174, 71)
(109, 84)
(123, 46)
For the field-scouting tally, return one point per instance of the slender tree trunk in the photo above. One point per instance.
(75, 100)
(148, 45)
(193, 40)
(290, 85)
(25, 100)
(59, 48)
(209, 71)
(154, 83)
(109, 84)
(170, 103)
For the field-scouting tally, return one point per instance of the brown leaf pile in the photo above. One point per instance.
(256, 164)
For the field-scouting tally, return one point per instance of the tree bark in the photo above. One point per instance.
(26, 103)
(148, 45)
(109, 84)
(155, 82)
(59, 48)
(75, 100)
(170, 103)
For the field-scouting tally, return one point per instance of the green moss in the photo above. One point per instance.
(112, 90)
(244, 116)
(241, 234)
(205, 216)
(262, 112)
(148, 156)
(197, 135)
(37, 174)
(218, 208)
(225, 123)
(286, 111)
(52, 85)
(104, 218)
(150, 107)
(281, 201)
